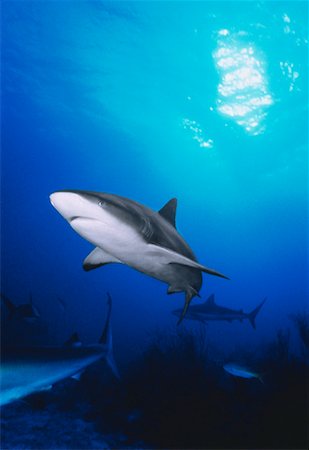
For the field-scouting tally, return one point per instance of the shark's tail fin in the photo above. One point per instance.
(106, 339)
(9, 305)
(253, 314)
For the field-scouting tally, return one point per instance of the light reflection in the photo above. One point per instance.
(197, 132)
(290, 73)
(243, 91)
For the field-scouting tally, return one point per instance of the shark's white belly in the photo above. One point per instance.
(123, 242)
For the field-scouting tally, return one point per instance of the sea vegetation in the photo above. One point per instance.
(176, 395)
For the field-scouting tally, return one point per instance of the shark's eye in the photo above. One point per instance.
(102, 203)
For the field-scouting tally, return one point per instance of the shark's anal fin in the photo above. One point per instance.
(169, 211)
(168, 256)
(98, 258)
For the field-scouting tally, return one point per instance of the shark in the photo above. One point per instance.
(25, 311)
(210, 310)
(26, 370)
(127, 232)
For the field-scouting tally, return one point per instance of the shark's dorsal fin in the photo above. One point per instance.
(73, 341)
(211, 300)
(98, 258)
(169, 211)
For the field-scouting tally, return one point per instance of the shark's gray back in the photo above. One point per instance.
(154, 228)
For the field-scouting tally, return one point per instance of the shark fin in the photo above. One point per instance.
(98, 258)
(251, 316)
(77, 375)
(9, 305)
(190, 293)
(46, 388)
(73, 341)
(173, 290)
(112, 364)
(170, 257)
(107, 339)
(169, 211)
(210, 300)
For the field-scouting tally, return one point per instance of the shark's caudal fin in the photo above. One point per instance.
(9, 305)
(106, 339)
(253, 314)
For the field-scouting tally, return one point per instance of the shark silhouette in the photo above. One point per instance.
(25, 370)
(27, 311)
(209, 310)
(124, 231)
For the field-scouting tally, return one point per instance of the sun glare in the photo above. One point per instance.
(243, 93)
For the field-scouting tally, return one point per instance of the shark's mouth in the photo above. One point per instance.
(74, 218)
(71, 219)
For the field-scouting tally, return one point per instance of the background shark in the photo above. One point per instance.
(127, 232)
(25, 370)
(26, 311)
(209, 310)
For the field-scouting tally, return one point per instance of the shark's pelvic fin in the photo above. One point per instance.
(169, 211)
(170, 257)
(173, 289)
(98, 258)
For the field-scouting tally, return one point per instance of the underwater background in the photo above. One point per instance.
(203, 101)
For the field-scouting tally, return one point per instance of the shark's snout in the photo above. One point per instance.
(68, 204)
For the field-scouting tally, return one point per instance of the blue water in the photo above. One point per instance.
(203, 101)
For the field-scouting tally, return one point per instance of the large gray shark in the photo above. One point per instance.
(209, 310)
(25, 370)
(124, 231)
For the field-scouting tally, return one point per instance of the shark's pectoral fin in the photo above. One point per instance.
(46, 388)
(77, 376)
(98, 258)
(168, 256)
